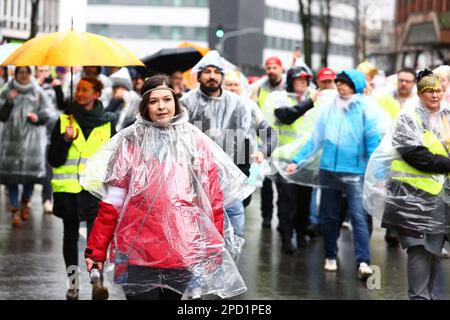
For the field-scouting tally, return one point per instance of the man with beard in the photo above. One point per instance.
(223, 117)
(274, 81)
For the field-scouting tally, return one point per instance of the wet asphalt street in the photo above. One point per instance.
(32, 265)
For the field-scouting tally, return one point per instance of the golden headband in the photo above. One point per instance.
(157, 88)
(430, 82)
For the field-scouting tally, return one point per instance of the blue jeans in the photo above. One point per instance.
(352, 185)
(236, 214)
(13, 191)
(314, 216)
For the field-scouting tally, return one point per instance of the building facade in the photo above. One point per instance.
(145, 26)
(15, 18)
(423, 32)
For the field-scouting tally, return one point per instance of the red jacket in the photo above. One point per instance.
(180, 229)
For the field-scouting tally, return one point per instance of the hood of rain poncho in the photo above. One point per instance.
(22, 151)
(356, 77)
(225, 119)
(398, 203)
(333, 139)
(211, 59)
(174, 178)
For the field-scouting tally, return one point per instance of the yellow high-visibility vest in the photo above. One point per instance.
(66, 178)
(287, 133)
(431, 183)
(263, 94)
(389, 104)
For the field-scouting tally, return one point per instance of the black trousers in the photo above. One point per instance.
(267, 200)
(293, 208)
(139, 277)
(156, 294)
(70, 239)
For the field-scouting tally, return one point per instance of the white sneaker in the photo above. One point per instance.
(330, 265)
(346, 225)
(364, 271)
(444, 254)
(48, 206)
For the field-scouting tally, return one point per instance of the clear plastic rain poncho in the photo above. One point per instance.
(408, 198)
(22, 144)
(175, 183)
(224, 119)
(334, 136)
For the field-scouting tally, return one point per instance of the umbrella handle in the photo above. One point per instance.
(77, 132)
(75, 136)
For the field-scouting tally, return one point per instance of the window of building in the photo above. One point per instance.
(202, 3)
(177, 33)
(154, 32)
(201, 34)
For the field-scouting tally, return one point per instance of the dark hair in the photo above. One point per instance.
(423, 73)
(151, 83)
(16, 71)
(344, 78)
(407, 70)
(96, 84)
(98, 69)
(294, 73)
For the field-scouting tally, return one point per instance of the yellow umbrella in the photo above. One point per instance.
(70, 49)
(202, 50)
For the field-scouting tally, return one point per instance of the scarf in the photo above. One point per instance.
(88, 120)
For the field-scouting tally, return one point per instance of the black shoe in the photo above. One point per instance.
(301, 242)
(391, 239)
(313, 231)
(99, 292)
(286, 245)
(72, 294)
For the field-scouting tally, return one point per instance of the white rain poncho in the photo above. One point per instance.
(335, 137)
(225, 119)
(402, 195)
(170, 187)
(22, 144)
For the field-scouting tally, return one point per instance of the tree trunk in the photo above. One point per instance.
(34, 18)
(306, 22)
(325, 21)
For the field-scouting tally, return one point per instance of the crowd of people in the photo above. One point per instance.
(162, 173)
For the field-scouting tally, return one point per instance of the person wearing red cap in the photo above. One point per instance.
(325, 79)
(273, 81)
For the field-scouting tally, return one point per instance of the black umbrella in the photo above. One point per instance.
(170, 60)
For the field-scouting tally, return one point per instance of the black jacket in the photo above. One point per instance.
(288, 115)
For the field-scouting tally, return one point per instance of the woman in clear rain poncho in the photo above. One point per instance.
(406, 182)
(24, 110)
(164, 186)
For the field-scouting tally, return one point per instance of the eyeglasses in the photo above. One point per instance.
(405, 81)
